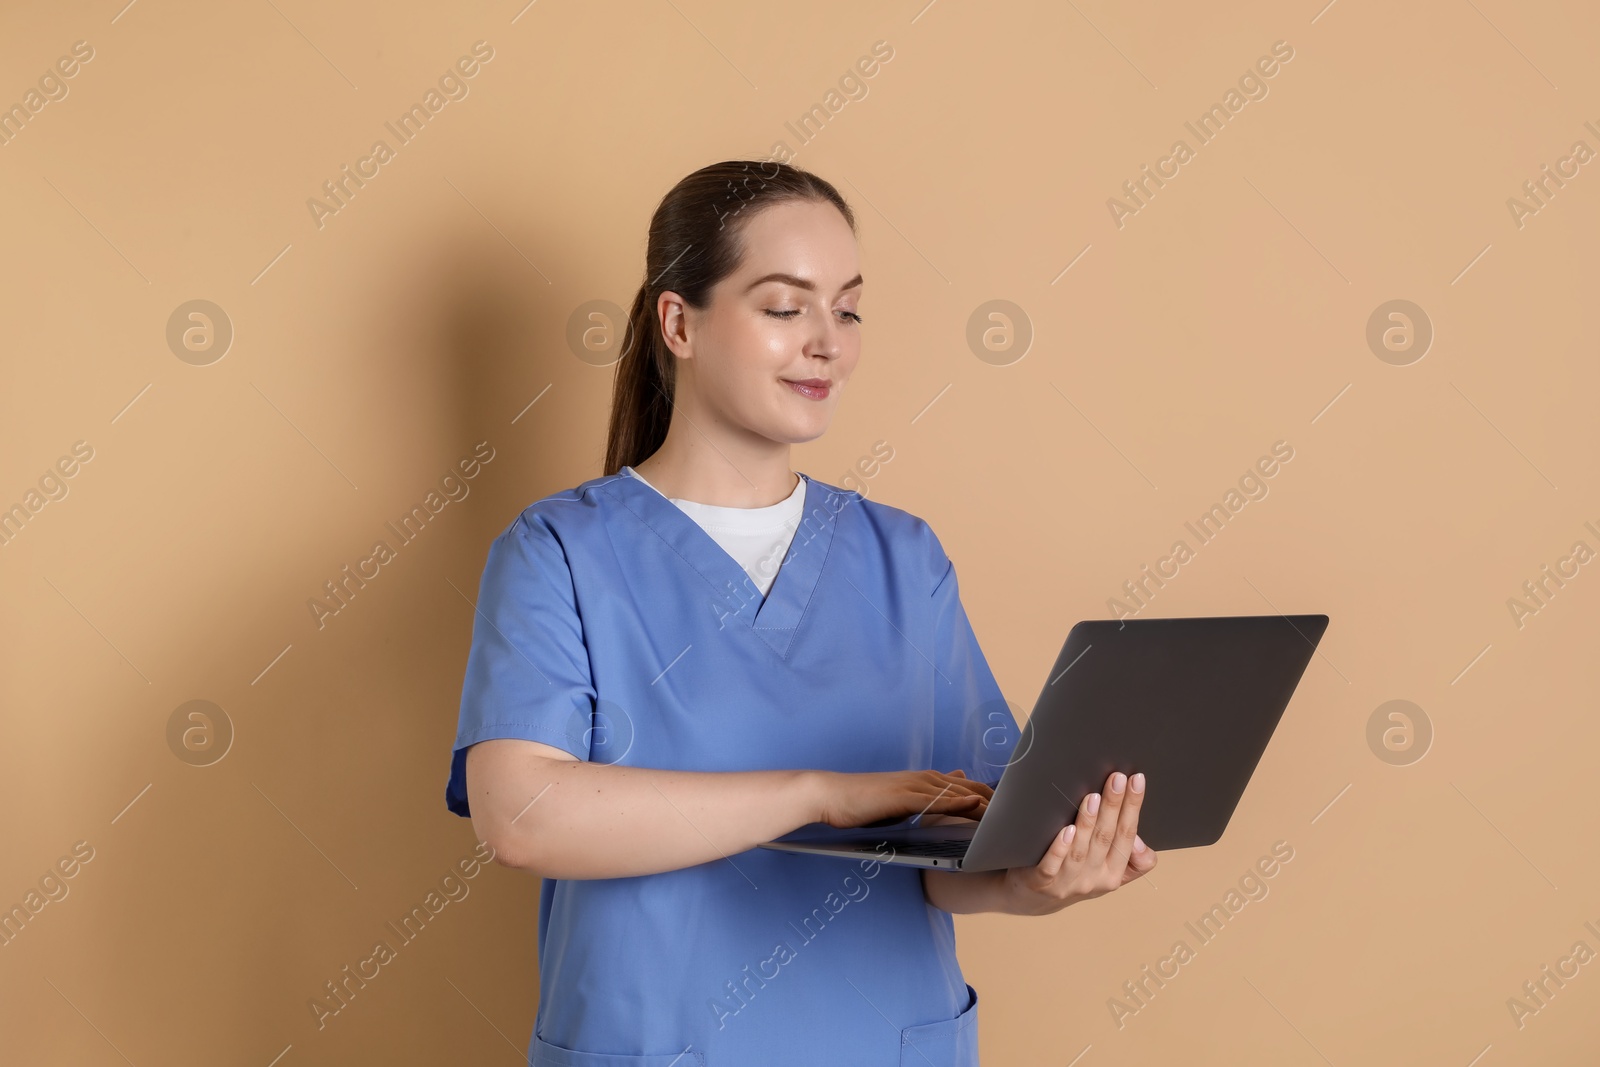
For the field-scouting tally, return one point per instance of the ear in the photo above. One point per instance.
(673, 315)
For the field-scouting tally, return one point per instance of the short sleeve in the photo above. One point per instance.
(974, 729)
(527, 671)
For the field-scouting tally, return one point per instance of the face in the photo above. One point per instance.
(772, 351)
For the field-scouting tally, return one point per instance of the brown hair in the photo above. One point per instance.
(695, 242)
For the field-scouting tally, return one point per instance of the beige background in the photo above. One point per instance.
(372, 353)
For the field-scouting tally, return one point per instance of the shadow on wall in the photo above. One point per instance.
(268, 878)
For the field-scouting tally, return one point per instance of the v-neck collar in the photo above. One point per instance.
(773, 618)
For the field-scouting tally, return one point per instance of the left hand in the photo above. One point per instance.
(1099, 852)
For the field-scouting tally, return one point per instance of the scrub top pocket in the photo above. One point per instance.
(950, 1043)
(547, 1055)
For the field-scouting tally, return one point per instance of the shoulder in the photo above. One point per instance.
(906, 538)
(564, 517)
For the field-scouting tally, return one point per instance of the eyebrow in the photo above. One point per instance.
(797, 282)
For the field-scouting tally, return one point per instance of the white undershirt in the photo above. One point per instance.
(757, 538)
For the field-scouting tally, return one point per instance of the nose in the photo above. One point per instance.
(827, 342)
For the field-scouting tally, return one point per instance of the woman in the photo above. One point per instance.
(649, 695)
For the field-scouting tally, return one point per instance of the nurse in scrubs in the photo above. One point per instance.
(702, 649)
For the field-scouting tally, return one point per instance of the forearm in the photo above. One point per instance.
(593, 820)
(964, 893)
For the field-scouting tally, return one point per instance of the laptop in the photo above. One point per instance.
(1191, 702)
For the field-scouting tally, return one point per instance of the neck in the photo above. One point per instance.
(733, 474)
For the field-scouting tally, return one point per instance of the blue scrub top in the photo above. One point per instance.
(612, 626)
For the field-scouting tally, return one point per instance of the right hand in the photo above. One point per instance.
(888, 796)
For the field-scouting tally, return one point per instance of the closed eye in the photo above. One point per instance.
(851, 315)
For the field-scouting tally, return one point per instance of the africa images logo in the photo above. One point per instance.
(1211, 122)
(342, 589)
(452, 85)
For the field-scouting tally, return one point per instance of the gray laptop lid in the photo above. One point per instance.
(1191, 702)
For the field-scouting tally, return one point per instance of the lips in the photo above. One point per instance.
(811, 388)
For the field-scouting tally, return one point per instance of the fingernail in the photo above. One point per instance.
(1066, 833)
(1117, 782)
(1093, 803)
(1138, 782)
(1138, 843)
